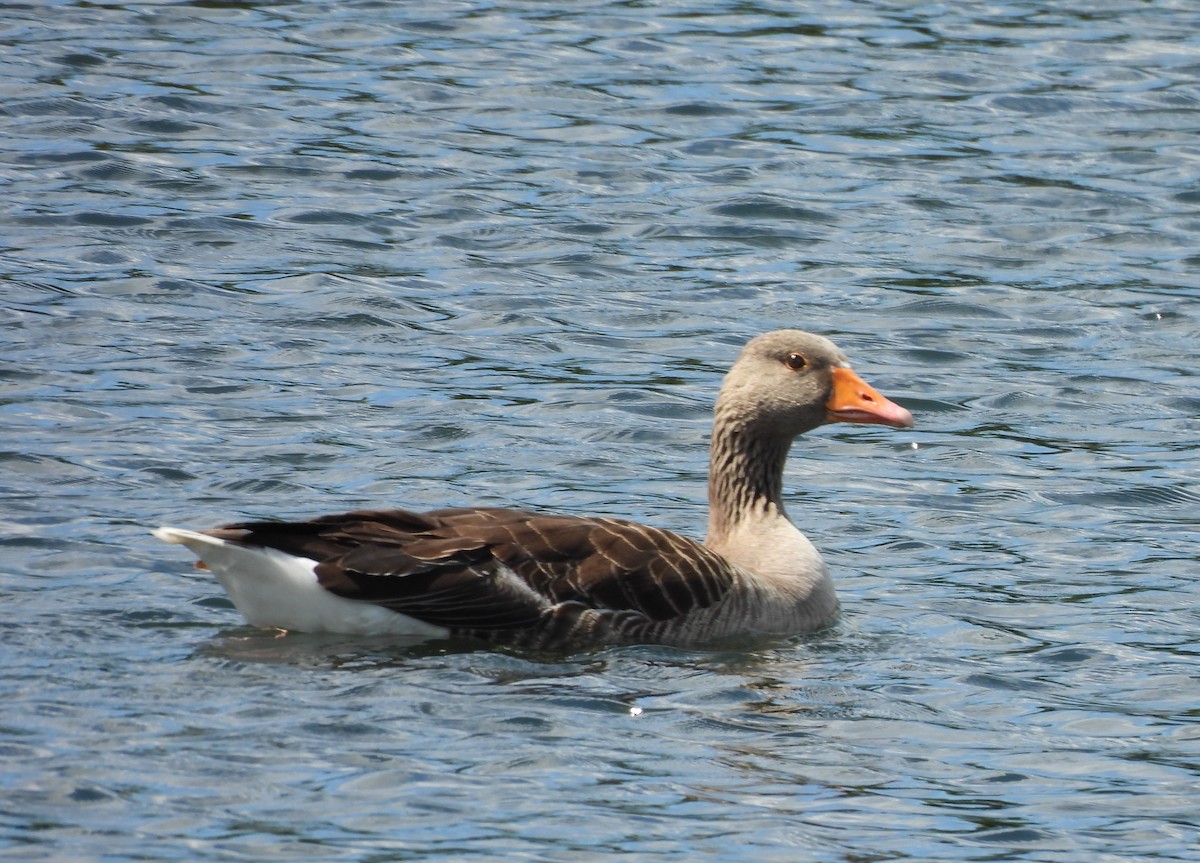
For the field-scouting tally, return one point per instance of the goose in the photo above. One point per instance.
(543, 581)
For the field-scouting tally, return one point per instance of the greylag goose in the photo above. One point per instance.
(535, 580)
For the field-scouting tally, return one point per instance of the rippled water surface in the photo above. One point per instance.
(278, 259)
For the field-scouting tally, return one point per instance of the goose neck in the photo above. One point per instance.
(745, 481)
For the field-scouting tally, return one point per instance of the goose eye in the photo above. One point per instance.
(795, 362)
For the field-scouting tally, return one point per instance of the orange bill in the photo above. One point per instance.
(855, 401)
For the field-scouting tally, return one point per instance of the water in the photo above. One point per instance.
(281, 259)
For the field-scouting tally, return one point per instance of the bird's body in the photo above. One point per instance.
(559, 581)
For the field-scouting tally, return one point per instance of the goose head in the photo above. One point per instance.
(788, 382)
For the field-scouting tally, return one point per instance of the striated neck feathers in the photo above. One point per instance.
(746, 461)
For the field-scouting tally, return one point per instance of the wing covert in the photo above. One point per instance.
(491, 568)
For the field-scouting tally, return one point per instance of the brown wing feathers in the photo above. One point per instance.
(441, 566)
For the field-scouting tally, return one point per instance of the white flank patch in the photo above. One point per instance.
(274, 589)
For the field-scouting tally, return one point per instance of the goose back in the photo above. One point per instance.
(509, 575)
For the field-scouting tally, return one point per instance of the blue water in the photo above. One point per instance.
(279, 259)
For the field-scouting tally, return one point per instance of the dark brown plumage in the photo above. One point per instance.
(442, 566)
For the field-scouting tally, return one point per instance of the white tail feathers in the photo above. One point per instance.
(274, 589)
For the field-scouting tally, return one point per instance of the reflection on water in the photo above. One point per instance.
(281, 259)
